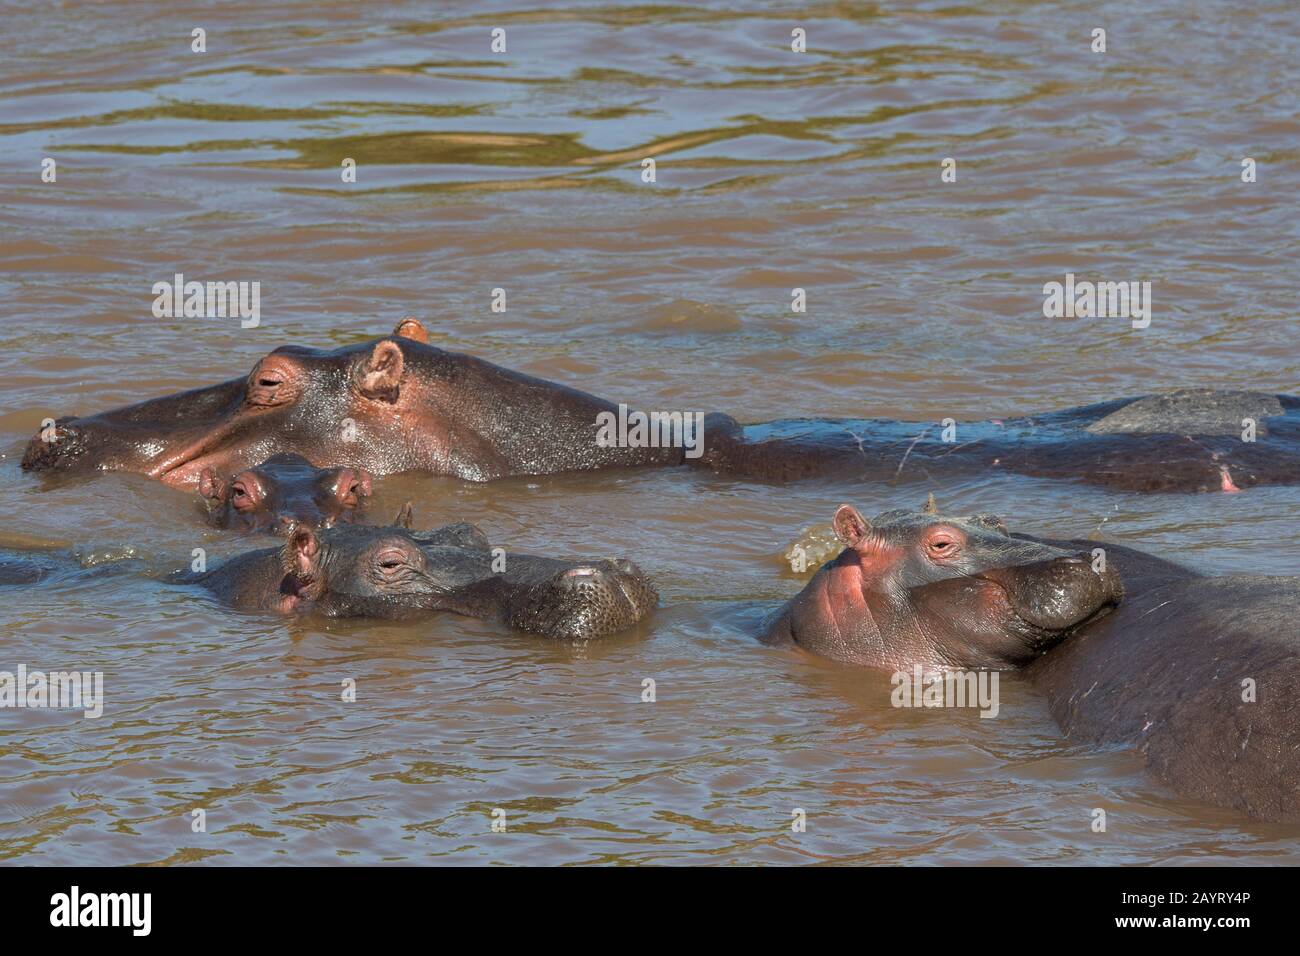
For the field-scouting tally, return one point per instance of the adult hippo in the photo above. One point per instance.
(399, 404)
(1200, 674)
(283, 492)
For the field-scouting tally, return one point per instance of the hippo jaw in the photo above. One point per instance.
(170, 438)
(140, 437)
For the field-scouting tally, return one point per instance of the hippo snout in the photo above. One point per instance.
(588, 601)
(60, 445)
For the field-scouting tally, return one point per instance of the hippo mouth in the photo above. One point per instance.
(297, 589)
(183, 466)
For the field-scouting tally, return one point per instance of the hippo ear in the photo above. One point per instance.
(382, 372)
(850, 526)
(405, 517)
(302, 553)
(931, 506)
(211, 486)
(413, 329)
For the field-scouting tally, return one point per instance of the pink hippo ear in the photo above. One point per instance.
(351, 485)
(302, 550)
(413, 329)
(382, 372)
(850, 526)
(211, 486)
(366, 482)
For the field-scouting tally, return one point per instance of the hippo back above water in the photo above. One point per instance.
(399, 404)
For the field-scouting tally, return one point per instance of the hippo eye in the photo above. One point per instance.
(942, 544)
(392, 559)
(273, 383)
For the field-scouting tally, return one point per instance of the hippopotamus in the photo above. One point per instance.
(1200, 674)
(282, 492)
(387, 573)
(392, 573)
(400, 404)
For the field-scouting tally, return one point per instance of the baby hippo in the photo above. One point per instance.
(393, 573)
(282, 492)
(1200, 674)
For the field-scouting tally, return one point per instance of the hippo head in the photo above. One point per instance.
(367, 572)
(348, 406)
(282, 492)
(946, 592)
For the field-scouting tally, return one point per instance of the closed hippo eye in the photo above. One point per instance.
(390, 559)
(943, 544)
(274, 382)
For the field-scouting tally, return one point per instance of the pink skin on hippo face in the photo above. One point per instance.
(943, 592)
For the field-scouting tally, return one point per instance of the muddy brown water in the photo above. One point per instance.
(522, 171)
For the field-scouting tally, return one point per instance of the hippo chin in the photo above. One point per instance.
(283, 492)
(1201, 675)
(400, 404)
(392, 573)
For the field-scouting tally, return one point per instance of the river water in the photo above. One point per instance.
(522, 171)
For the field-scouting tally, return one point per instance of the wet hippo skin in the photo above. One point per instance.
(1200, 674)
(392, 573)
(399, 404)
(283, 492)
